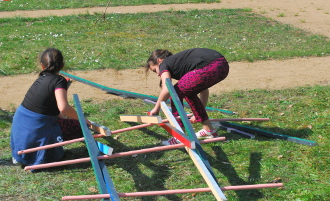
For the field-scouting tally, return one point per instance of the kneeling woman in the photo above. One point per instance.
(44, 117)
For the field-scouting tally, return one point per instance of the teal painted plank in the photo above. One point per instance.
(269, 134)
(102, 176)
(128, 94)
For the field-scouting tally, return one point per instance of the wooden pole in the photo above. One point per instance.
(55, 145)
(128, 153)
(124, 130)
(169, 192)
(179, 135)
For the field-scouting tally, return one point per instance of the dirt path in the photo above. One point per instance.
(310, 15)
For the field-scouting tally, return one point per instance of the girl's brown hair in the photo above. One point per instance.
(157, 54)
(52, 60)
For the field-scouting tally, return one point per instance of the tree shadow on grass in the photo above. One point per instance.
(224, 166)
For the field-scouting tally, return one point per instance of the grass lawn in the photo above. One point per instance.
(61, 4)
(121, 40)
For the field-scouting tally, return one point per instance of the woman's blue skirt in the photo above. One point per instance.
(30, 130)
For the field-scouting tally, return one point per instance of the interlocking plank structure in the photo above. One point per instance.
(105, 184)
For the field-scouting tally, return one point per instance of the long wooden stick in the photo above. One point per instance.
(128, 153)
(124, 130)
(55, 145)
(169, 192)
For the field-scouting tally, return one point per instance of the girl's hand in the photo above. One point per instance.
(153, 112)
(193, 120)
(88, 123)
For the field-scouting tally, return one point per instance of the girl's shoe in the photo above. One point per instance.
(206, 134)
(171, 141)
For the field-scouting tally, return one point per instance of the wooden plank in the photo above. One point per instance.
(128, 94)
(102, 176)
(100, 129)
(141, 119)
(104, 148)
(208, 177)
(179, 135)
(174, 128)
(269, 134)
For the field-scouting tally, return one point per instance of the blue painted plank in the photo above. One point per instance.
(104, 148)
